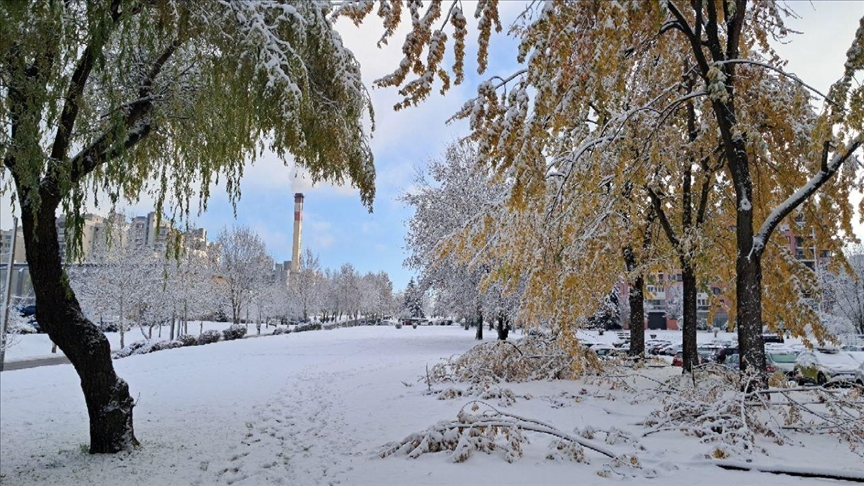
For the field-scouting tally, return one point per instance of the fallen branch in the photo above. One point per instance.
(801, 472)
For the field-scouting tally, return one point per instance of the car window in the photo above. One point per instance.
(783, 357)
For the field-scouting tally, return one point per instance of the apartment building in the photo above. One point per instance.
(6, 245)
(663, 293)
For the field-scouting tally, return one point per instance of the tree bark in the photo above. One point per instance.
(635, 298)
(689, 350)
(637, 317)
(479, 335)
(109, 404)
(748, 291)
(122, 323)
(503, 328)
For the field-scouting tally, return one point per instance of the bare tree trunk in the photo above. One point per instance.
(109, 404)
(635, 298)
(503, 328)
(122, 324)
(637, 317)
(479, 334)
(689, 350)
(748, 291)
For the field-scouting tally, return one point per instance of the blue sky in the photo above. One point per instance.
(339, 229)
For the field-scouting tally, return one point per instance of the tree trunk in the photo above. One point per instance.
(637, 317)
(503, 328)
(748, 291)
(109, 404)
(479, 334)
(689, 350)
(122, 323)
(635, 298)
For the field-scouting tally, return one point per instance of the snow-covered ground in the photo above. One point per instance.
(316, 407)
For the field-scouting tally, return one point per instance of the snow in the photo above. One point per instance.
(316, 407)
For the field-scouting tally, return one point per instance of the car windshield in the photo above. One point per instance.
(783, 357)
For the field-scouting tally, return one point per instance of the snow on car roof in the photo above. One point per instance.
(835, 358)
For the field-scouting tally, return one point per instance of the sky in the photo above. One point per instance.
(340, 230)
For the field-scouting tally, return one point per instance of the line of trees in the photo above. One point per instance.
(126, 286)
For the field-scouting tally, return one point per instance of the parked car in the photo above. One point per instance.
(706, 354)
(723, 353)
(678, 359)
(825, 365)
(770, 337)
(856, 355)
(782, 360)
(859, 375)
(653, 346)
(604, 351)
(671, 349)
(733, 362)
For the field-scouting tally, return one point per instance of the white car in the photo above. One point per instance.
(821, 366)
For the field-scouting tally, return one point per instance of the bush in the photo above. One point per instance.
(159, 346)
(308, 327)
(188, 340)
(236, 331)
(281, 330)
(137, 347)
(211, 336)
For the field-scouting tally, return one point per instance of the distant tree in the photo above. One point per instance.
(244, 266)
(844, 288)
(455, 196)
(412, 306)
(118, 278)
(305, 284)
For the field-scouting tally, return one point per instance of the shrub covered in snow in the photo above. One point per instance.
(312, 326)
(236, 331)
(159, 346)
(188, 340)
(137, 347)
(145, 347)
(209, 336)
(281, 330)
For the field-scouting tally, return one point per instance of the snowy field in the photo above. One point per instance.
(316, 408)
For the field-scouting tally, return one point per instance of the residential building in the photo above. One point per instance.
(20, 255)
(92, 229)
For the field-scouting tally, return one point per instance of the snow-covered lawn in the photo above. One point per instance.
(316, 407)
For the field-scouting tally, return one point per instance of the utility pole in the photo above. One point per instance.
(7, 294)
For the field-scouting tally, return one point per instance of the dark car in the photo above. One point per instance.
(28, 312)
(723, 353)
(770, 337)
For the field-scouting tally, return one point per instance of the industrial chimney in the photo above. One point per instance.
(298, 226)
